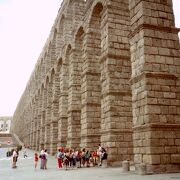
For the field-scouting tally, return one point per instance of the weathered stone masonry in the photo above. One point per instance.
(109, 73)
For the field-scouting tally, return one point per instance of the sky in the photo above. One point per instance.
(24, 27)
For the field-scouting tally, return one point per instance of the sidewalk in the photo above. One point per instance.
(26, 171)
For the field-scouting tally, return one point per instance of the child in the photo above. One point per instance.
(94, 158)
(36, 158)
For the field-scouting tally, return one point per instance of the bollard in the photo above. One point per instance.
(104, 163)
(125, 166)
(142, 169)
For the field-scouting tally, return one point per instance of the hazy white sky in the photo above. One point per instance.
(24, 28)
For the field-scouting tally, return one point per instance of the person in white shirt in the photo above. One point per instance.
(42, 159)
(46, 155)
(14, 159)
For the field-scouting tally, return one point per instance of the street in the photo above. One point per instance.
(26, 171)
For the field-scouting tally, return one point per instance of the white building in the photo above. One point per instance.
(5, 124)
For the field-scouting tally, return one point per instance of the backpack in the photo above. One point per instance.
(103, 150)
(104, 155)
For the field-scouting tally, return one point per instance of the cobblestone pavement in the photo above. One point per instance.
(26, 171)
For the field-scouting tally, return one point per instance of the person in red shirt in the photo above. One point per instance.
(94, 156)
(36, 158)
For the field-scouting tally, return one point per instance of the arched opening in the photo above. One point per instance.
(38, 123)
(39, 74)
(90, 80)
(60, 36)
(47, 60)
(30, 124)
(43, 116)
(63, 101)
(33, 123)
(54, 112)
(74, 92)
(66, 75)
(52, 52)
(47, 94)
(42, 69)
(54, 46)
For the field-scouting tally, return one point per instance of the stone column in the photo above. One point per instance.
(48, 116)
(91, 88)
(34, 126)
(38, 122)
(42, 130)
(53, 136)
(63, 106)
(44, 115)
(74, 102)
(25, 133)
(52, 48)
(28, 126)
(33, 134)
(38, 132)
(116, 101)
(155, 85)
(40, 108)
(47, 61)
(54, 112)
(31, 128)
(59, 36)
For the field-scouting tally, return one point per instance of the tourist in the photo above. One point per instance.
(83, 157)
(66, 159)
(46, 155)
(87, 158)
(60, 156)
(36, 158)
(42, 157)
(78, 158)
(73, 158)
(14, 158)
(94, 157)
(100, 148)
(103, 156)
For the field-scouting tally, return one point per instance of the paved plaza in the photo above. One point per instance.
(26, 171)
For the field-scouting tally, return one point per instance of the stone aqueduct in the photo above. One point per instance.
(109, 73)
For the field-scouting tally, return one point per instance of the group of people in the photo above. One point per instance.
(43, 156)
(85, 158)
(69, 158)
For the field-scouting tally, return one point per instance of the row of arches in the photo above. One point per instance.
(71, 107)
(94, 84)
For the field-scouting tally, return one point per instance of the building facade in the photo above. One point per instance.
(108, 74)
(5, 124)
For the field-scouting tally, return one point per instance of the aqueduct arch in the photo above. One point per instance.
(109, 73)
